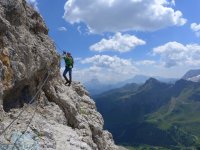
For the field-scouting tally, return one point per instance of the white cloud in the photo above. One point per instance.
(82, 30)
(119, 15)
(177, 54)
(118, 42)
(106, 68)
(196, 28)
(172, 2)
(79, 29)
(62, 29)
(145, 62)
(33, 3)
(114, 64)
(112, 69)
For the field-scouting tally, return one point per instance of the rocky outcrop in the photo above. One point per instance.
(75, 126)
(25, 55)
(61, 117)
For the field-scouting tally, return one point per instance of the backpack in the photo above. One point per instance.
(69, 62)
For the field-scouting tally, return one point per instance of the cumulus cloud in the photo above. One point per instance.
(145, 62)
(196, 28)
(118, 42)
(106, 68)
(62, 29)
(174, 54)
(119, 15)
(111, 63)
(33, 3)
(172, 2)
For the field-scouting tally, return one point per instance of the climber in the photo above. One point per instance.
(69, 62)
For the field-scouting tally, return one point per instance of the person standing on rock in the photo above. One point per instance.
(69, 63)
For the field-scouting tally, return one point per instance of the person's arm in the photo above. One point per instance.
(63, 56)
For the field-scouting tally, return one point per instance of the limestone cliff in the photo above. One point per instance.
(61, 117)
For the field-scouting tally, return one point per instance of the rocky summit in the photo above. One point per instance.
(46, 113)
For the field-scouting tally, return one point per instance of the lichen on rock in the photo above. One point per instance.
(6, 71)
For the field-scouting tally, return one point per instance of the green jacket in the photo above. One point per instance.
(69, 62)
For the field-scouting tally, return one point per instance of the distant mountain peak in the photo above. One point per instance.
(152, 81)
(192, 75)
(154, 84)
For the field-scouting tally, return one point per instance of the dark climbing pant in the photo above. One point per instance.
(67, 69)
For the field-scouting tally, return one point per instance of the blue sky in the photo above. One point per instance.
(113, 40)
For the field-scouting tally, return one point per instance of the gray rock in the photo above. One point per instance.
(62, 117)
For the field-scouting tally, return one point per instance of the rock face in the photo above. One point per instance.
(61, 117)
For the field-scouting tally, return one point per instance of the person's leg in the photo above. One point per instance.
(70, 76)
(64, 75)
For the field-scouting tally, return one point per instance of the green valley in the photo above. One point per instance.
(161, 115)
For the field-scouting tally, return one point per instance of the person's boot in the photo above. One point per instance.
(67, 81)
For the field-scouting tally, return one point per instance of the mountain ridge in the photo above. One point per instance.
(192, 75)
(146, 110)
(95, 87)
